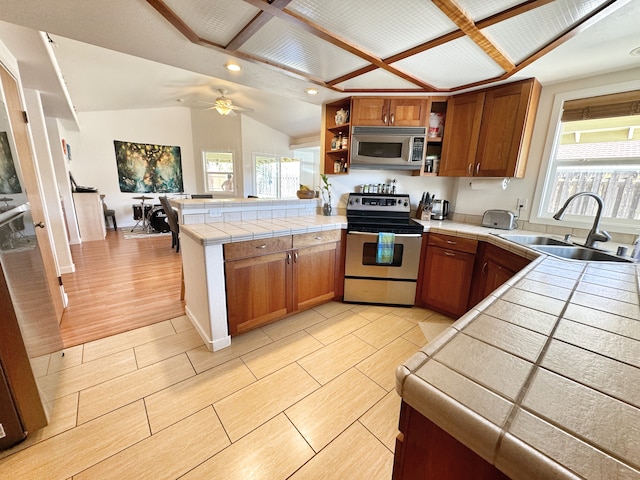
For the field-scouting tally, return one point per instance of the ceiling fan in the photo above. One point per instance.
(224, 105)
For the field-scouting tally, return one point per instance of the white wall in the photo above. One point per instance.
(57, 131)
(93, 161)
(217, 133)
(259, 138)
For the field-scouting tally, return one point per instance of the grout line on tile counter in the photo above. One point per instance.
(534, 369)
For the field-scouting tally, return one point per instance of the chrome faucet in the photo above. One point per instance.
(595, 234)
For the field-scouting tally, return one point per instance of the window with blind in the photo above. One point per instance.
(598, 151)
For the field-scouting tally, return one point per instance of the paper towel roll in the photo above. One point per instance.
(489, 184)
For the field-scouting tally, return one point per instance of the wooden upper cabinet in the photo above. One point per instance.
(464, 114)
(408, 112)
(488, 133)
(390, 112)
(507, 125)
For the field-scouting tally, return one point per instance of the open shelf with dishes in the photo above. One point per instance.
(336, 137)
(435, 134)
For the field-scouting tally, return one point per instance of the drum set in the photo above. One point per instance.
(151, 218)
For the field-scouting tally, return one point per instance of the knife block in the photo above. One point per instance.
(423, 213)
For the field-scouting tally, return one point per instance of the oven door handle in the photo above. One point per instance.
(402, 235)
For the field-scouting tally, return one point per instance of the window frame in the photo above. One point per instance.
(278, 158)
(205, 173)
(547, 169)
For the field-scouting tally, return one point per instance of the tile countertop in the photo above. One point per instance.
(229, 232)
(541, 379)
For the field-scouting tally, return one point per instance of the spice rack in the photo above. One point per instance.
(336, 158)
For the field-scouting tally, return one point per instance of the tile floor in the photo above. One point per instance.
(311, 396)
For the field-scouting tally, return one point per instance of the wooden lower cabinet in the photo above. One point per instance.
(264, 288)
(257, 290)
(446, 277)
(314, 272)
(426, 452)
(494, 266)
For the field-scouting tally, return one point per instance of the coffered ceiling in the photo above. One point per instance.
(129, 54)
(408, 45)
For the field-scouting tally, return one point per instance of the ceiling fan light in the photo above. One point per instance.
(223, 110)
(234, 67)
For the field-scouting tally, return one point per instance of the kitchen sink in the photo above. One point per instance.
(574, 252)
(560, 248)
(534, 240)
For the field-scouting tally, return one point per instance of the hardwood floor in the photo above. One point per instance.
(120, 284)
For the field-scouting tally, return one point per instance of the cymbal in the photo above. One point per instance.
(6, 199)
(142, 198)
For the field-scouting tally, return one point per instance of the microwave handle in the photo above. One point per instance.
(403, 235)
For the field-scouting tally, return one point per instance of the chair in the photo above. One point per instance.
(108, 213)
(172, 219)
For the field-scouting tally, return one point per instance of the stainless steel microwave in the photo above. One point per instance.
(395, 148)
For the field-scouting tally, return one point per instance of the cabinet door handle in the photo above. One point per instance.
(318, 238)
(470, 168)
(295, 257)
(484, 268)
(477, 168)
(260, 247)
(384, 118)
(450, 254)
(39, 225)
(451, 242)
(288, 258)
(393, 119)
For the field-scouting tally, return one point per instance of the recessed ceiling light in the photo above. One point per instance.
(312, 91)
(635, 52)
(234, 67)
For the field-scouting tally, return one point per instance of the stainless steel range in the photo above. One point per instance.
(383, 250)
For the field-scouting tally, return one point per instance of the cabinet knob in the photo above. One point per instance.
(39, 225)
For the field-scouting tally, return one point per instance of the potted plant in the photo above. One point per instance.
(326, 194)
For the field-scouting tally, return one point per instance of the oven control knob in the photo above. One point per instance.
(406, 203)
